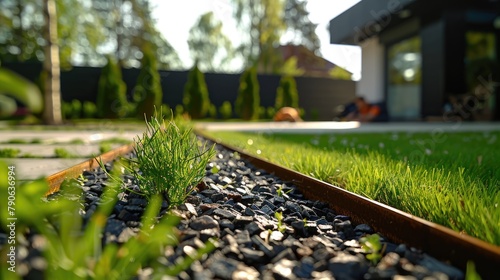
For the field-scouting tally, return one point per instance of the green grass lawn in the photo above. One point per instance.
(452, 179)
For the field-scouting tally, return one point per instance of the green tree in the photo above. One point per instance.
(226, 110)
(111, 96)
(286, 94)
(248, 100)
(148, 92)
(87, 30)
(209, 46)
(21, 32)
(263, 21)
(299, 25)
(18, 37)
(196, 99)
(52, 91)
(129, 27)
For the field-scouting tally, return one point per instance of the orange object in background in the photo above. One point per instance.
(287, 114)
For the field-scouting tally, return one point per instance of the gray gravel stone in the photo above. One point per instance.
(224, 268)
(252, 256)
(305, 268)
(243, 238)
(284, 269)
(346, 266)
(204, 222)
(364, 228)
(226, 214)
(263, 246)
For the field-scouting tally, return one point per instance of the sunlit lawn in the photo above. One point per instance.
(449, 178)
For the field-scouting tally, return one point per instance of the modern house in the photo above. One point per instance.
(426, 59)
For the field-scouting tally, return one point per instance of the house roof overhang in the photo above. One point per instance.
(371, 17)
(366, 19)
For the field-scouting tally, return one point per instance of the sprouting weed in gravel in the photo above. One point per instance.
(372, 246)
(170, 160)
(280, 192)
(279, 217)
(471, 273)
(215, 169)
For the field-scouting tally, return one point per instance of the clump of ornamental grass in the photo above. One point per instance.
(170, 160)
(72, 250)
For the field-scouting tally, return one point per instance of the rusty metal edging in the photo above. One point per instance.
(56, 179)
(439, 241)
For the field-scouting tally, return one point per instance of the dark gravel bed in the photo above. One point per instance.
(237, 206)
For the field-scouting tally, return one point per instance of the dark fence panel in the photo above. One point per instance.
(318, 96)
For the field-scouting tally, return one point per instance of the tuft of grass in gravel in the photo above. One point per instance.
(105, 147)
(9, 153)
(170, 161)
(17, 141)
(448, 178)
(63, 153)
(72, 250)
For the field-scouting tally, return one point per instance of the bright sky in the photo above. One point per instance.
(175, 18)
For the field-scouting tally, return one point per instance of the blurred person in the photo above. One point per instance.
(365, 112)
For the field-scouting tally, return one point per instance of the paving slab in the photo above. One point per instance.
(60, 136)
(42, 150)
(31, 169)
(349, 127)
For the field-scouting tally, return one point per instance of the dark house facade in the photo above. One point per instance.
(427, 59)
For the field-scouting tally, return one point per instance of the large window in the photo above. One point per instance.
(480, 68)
(404, 62)
(480, 56)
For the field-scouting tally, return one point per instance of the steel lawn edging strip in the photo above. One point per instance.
(56, 179)
(439, 241)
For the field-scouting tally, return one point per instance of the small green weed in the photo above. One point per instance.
(105, 147)
(372, 246)
(9, 153)
(279, 217)
(36, 141)
(17, 141)
(471, 273)
(77, 141)
(215, 169)
(63, 153)
(170, 160)
(281, 192)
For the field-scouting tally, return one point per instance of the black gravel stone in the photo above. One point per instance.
(204, 222)
(346, 266)
(225, 223)
(226, 214)
(224, 268)
(252, 256)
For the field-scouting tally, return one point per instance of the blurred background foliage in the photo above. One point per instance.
(88, 30)
(91, 31)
